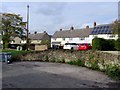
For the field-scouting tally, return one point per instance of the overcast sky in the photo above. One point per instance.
(52, 16)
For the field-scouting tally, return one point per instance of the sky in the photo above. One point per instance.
(53, 16)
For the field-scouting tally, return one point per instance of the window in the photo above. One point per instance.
(71, 44)
(82, 38)
(70, 38)
(111, 36)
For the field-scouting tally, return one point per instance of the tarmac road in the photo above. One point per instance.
(52, 75)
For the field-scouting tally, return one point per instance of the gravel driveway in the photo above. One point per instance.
(52, 75)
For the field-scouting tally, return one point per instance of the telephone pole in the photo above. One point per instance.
(27, 30)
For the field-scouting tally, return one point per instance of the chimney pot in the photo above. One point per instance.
(72, 28)
(45, 32)
(95, 24)
(60, 29)
(35, 32)
(87, 27)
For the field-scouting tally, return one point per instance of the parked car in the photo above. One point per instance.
(71, 46)
(85, 46)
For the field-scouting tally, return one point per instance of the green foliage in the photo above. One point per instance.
(45, 42)
(116, 27)
(97, 43)
(91, 56)
(71, 62)
(11, 25)
(117, 44)
(80, 62)
(60, 60)
(16, 55)
(103, 44)
(94, 65)
(110, 44)
(51, 59)
(46, 58)
(113, 71)
(77, 62)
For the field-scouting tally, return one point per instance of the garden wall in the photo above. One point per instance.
(97, 60)
(66, 56)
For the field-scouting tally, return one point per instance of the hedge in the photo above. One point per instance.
(103, 44)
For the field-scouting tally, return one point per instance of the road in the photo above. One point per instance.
(52, 75)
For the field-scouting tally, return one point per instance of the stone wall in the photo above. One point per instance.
(65, 56)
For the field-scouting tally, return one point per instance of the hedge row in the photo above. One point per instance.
(105, 45)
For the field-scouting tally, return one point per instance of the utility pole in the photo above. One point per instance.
(27, 30)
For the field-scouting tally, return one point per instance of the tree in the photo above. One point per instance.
(117, 44)
(11, 26)
(116, 27)
(45, 42)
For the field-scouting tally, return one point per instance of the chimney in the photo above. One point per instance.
(95, 24)
(45, 32)
(87, 27)
(61, 29)
(72, 28)
(35, 32)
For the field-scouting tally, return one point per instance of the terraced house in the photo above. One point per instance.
(71, 36)
(103, 31)
(85, 35)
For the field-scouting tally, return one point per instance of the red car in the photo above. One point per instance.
(85, 46)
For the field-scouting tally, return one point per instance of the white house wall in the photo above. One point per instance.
(105, 36)
(86, 39)
(78, 40)
(23, 41)
(71, 40)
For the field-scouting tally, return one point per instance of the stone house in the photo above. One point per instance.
(37, 40)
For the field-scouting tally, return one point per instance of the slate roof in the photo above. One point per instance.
(73, 33)
(37, 36)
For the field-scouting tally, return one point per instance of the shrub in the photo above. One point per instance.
(103, 44)
(117, 44)
(45, 58)
(80, 62)
(94, 65)
(16, 57)
(77, 62)
(113, 71)
(71, 62)
(97, 43)
(110, 44)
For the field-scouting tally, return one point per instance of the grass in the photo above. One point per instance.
(15, 52)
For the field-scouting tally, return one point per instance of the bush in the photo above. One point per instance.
(97, 43)
(103, 44)
(110, 44)
(78, 62)
(113, 71)
(117, 44)
(94, 65)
